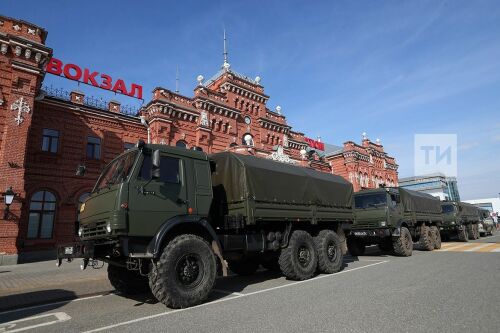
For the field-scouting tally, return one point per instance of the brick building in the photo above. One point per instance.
(46, 134)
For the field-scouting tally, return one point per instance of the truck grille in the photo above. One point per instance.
(92, 231)
(366, 224)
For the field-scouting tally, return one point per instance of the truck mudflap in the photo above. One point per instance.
(84, 250)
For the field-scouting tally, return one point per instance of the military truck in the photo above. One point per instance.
(487, 224)
(394, 218)
(173, 219)
(460, 219)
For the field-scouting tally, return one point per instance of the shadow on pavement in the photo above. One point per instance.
(31, 299)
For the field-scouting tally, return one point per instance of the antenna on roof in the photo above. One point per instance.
(225, 65)
(177, 79)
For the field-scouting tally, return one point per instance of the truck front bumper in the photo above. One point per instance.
(366, 233)
(71, 251)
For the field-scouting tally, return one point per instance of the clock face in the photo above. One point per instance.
(248, 120)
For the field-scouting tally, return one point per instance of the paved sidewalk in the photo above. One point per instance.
(42, 282)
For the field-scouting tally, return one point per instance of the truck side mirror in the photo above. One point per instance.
(155, 164)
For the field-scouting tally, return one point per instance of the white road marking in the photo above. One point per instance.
(54, 303)
(227, 292)
(59, 316)
(477, 247)
(454, 247)
(231, 298)
(496, 250)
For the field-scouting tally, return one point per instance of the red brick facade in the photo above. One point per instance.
(227, 112)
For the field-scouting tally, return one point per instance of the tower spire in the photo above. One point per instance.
(225, 65)
(177, 79)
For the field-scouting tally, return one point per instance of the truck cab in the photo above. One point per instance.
(136, 193)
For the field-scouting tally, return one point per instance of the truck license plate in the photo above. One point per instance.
(360, 233)
(68, 250)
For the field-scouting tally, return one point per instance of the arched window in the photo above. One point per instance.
(247, 139)
(42, 213)
(181, 144)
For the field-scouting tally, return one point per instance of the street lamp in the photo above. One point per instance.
(8, 197)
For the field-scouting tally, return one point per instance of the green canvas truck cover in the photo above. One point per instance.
(244, 177)
(414, 201)
(468, 209)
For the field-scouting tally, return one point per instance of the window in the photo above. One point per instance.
(93, 148)
(169, 169)
(117, 171)
(181, 144)
(41, 217)
(50, 140)
(127, 146)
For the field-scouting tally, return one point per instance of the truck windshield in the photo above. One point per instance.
(370, 200)
(448, 209)
(116, 171)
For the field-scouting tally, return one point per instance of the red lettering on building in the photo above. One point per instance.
(315, 144)
(75, 72)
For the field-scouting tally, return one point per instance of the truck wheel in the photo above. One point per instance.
(403, 245)
(426, 239)
(185, 272)
(299, 259)
(243, 267)
(436, 237)
(343, 240)
(463, 235)
(328, 247)
(476, 231)
(471, 232)
(386, 246)
(127, 282)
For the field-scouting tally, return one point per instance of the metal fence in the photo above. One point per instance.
(98, 103)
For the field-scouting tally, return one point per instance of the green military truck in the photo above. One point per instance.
(170, 219)
(394, 218)
(460, 219)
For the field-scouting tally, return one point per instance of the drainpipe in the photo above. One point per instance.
(145, 123)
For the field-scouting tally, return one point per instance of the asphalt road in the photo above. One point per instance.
(445, 291)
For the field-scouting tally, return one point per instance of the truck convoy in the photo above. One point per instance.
(394, 218)
(170, 219)
(460, 219)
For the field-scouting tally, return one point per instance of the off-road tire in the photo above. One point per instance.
(403, 245)
(343, 240)
(475, 229)
(298, 261)
(463, 234)
(436, 237)
(386, 246)
(426, 239)
(355, 246)
(244, 266)
(183, 257)
(127, 282)
(328, 247)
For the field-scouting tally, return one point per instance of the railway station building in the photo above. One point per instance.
(47, 134)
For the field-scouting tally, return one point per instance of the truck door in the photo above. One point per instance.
(394, 208)
(153, 201)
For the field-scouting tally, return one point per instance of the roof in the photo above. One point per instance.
(332, 149)
(223, 70)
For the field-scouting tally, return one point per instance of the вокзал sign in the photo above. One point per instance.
(104, 81)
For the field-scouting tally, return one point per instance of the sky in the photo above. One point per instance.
(391, 69)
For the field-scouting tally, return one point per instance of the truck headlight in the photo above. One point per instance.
(452, 222)
(108, 227)
(383, 223)
(80, 232)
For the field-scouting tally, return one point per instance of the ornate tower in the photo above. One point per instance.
(22, 58)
